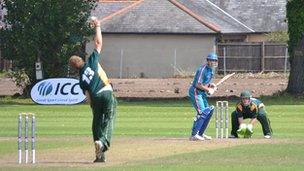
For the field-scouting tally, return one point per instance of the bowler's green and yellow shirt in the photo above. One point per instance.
(92, 77)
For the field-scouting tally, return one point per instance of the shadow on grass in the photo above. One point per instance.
(8, 100)
(283, 98)
(279, 98)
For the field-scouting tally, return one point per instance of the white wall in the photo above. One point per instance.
(153, 55)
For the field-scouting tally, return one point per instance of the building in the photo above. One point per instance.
(165, 38)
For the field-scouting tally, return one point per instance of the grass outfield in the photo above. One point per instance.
(152, 135)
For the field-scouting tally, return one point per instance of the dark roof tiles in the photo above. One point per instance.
(225, 22)
(192, 16)
(260, 15)
(154, 16)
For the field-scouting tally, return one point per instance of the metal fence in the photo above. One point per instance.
(5, 65)
(253, 57)
(233, 57)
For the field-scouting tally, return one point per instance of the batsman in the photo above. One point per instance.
(253, 109)
(198, 91)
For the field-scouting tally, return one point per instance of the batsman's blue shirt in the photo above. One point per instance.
(202, 76)
(198, 97)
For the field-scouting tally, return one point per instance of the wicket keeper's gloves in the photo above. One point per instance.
(242, 129)
(248, 133)
(250, 127)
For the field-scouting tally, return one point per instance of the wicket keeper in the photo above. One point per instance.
(198, 91)
(254, 109)
(96, 85)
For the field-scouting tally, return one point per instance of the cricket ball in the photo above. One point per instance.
(92, 18)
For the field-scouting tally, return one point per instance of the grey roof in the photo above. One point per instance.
(213, 14)
(155, 16)
(104, 9)
(193, 16)
(260, 15)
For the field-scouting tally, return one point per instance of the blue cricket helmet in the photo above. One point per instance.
(212, 56)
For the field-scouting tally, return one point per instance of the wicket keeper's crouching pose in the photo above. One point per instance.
(198, 96)
(95, 84)
(254, 109)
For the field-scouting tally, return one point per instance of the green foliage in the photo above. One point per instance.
(46, 29)
(279, 36)
(3, 74)
(295, 17)
(20, 78)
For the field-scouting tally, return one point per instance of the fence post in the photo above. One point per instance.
(1, 67)
(285, 62)
(224, 59)
(263, 57)
(174, 63)
(121, 61)
(1, 63)
(68, 75)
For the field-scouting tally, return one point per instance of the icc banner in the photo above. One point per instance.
(57, 91)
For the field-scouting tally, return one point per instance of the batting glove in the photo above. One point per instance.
(212, 85)
(211, 91)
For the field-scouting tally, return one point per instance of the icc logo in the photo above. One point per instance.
(45, 88)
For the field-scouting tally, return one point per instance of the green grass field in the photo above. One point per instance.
(64, 138)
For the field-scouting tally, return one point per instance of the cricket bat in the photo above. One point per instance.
(224, 79)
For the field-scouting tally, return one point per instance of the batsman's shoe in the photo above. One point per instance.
(267, 136)
(98, 149)
(197, 138)
(102, 158)
(207, 137)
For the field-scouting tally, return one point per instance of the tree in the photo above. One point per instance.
(295, 17)
(279, 36)
(46, 30)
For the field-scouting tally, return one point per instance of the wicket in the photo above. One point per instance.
(221, 112)
(27, 117)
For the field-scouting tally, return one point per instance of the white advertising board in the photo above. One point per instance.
(57, 91)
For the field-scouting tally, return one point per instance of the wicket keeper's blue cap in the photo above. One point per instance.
(212, 56)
